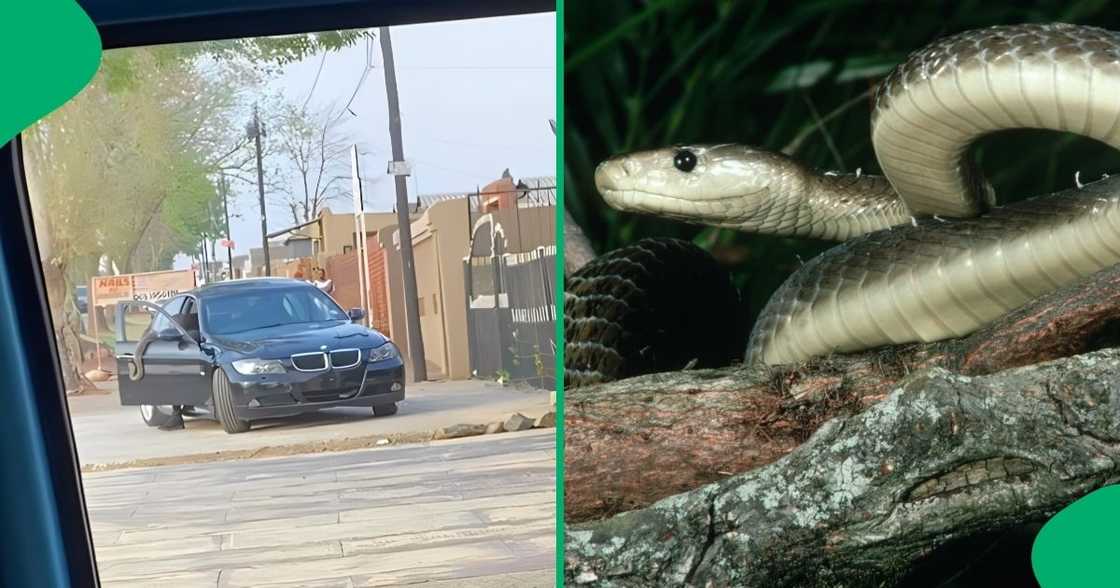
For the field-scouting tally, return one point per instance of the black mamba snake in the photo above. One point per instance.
(928, 256)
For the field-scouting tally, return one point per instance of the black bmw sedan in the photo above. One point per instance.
(250, 349)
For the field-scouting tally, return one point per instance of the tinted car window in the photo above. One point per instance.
(159, 321)
(235, 313)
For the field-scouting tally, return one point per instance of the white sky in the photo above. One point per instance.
(476, 97)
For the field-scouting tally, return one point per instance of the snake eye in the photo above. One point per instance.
(684, 160)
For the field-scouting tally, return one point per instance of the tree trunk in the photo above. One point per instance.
(577, 247)
(943, 457)
(65, 319)
(632, 442)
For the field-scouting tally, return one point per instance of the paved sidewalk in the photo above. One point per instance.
(106, 432)
(462, 513)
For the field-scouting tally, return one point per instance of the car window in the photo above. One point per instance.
(256, 309)
(294, 308)
(160, 321)
(323, 304)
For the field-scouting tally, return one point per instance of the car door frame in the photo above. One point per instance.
(175, 372)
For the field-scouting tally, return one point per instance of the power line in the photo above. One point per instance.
(361, 80)
(316, 82)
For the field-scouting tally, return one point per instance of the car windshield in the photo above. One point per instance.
(258, 309)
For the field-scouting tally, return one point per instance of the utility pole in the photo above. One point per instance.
(229, 237)
(411, 306)
(255, 131)
(204, 269)
(360, 232)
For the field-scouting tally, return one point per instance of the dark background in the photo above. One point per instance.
(651, 74)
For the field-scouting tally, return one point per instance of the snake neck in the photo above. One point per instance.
(842, 206)
(835, 207)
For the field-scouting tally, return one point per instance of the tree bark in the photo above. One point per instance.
(942, 457)
(65, 319)
(577, 247)
(632, 442)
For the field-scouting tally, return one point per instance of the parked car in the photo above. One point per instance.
(81, 298)
(245, 350)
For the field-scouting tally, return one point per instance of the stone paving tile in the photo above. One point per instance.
(465, 513)
(162, 580)
(537, 579)
(400, 525)
(546, 498)
(391, 544)
(435, 563)
(293, 524)
(154, 565)
(160, 549)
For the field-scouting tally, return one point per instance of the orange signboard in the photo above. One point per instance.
(151, 286)
(110, 289)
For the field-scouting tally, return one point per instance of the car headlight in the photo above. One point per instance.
(252, 367)
(386, 351)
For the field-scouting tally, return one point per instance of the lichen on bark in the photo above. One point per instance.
(943, 456)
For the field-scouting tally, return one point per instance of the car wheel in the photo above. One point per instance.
(385, 409)
(157, 415)
(223, 404)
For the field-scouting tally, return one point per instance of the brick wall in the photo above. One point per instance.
(378, 294)
(343, 269)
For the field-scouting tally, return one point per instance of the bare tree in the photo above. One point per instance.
(315, 144)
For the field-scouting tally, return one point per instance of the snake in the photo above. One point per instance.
(925, 252)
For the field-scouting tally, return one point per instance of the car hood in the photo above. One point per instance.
(284, 340)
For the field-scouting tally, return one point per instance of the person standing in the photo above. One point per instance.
(321, 281)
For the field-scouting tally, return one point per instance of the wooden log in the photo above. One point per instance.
(941, 458)
(632, 442)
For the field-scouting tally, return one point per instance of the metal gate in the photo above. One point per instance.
(511, 314)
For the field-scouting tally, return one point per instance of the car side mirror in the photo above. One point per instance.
(357, 314)
(169, 334)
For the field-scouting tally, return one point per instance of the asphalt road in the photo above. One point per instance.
(106, 432)
(460, 513)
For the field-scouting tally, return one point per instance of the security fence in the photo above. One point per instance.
(511, 315)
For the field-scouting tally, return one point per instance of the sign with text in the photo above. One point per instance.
(111, 289)
(161, 285)
(150, 287)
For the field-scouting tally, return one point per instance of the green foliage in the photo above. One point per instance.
(646, 74)
(128, 168)
(278, 51)
(255, 57)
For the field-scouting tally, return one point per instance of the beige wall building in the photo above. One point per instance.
(338, 229)
(439, 242)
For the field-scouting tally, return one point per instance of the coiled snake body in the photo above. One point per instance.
(927, 257)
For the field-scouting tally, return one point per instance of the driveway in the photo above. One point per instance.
(107, 433)
(467, 512)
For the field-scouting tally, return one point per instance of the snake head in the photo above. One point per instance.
(722, 185)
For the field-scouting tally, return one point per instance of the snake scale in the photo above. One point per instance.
(927, 254)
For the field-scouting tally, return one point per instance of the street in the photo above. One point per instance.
(108, 433)
(467, 512)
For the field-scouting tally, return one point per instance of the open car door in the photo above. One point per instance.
(158, 361)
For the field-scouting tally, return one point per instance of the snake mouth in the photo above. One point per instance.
(725, 209)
